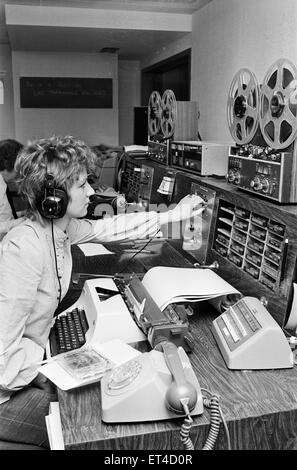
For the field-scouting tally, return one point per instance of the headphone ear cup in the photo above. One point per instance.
(52, 203)
(55, 204)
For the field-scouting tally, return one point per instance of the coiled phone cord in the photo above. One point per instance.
(216, 417)
(184, 433)
(215, 421)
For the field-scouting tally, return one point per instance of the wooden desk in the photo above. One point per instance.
(260, 407)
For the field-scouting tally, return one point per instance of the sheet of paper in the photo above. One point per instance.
(168, 285)
(54, 427)
(94, 249)
(136, 148)
(292, 320)
(116, 351)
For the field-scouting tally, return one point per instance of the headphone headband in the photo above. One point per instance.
(51, 153)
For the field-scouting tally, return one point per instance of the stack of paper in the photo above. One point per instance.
(169, 285)
(94, 249)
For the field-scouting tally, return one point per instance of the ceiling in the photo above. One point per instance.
(130, 43)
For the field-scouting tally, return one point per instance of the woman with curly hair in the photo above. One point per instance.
(35, 270)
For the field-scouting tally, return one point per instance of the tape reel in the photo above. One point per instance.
(278, 107)
(243, 107)
(169, 113)
(162, 114)
(154, 113)
(264, 114)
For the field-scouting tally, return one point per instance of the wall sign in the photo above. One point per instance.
(65, 92)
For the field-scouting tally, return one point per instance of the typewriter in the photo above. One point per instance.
(119, 307)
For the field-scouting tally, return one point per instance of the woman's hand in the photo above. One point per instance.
(189, 206)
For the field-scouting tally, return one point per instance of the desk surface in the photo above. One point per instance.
(260, 407)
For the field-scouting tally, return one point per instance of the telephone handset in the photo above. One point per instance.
(153, 386)
(181, 393)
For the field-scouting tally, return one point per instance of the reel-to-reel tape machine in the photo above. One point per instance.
(262, 120)
(169, 120)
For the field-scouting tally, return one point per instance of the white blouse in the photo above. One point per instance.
(29, 288)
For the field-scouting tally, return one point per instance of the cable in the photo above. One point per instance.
(287, 332)
(56, 263)
(215, 417)
(186, 426)
(184, 433)
(137, 252)
(226, 429)
(215, 421)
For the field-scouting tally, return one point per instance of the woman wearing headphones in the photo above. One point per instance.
(35, 270)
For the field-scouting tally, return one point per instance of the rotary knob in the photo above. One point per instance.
(231, 176)
(256, 184)
(266, 186)
(237, 177)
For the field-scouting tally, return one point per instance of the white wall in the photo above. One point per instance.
(227, 35)
(231, 34)
(168, 51)
(129, 97)
(92, 125)
(7, 128)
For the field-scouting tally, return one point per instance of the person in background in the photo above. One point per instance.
(35, 270)
(9, 149)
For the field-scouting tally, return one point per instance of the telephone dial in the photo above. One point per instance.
(154, 386)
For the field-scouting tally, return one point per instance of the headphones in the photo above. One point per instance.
(52, 201)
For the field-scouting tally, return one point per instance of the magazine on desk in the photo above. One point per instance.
(113, 327)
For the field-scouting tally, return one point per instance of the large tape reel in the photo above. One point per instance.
(169, 113)
(243, 107)
(154, 113)
(278, 107)
(162, 114)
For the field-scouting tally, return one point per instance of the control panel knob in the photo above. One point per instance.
(231, 176)
(265, 186)
(256, 184)
(237, 177)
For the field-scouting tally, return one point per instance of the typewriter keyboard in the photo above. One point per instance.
(68, 332)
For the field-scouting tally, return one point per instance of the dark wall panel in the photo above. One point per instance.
(65, 92)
